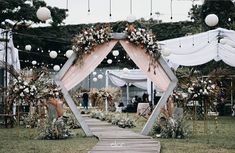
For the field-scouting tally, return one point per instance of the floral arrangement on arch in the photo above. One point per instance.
(145, 39)
(85, 42)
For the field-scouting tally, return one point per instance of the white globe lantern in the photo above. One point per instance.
(53, 54)
(125, 70)
(100, 76)
(211, 20)
(43, 13)
(56, 67)
(94, 79)
(109, 61)
(166, 52)
(94, 73)
(115, 52)
(131, 18)
(28, 47)
(34, 62)
(68, 53)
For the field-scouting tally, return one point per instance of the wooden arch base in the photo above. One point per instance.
(72, 74)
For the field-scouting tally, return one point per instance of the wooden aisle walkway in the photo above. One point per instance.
(113, 139)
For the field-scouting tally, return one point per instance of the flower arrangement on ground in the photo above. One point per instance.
(169, 126)
(120, 120)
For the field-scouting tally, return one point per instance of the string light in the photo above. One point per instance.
(110, 8)
(171, 10)
(89, 9)
(151, 8)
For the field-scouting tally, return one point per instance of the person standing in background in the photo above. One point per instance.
(85, 98)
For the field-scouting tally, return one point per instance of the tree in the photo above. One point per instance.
(25, 10)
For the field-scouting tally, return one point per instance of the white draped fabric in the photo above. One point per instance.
(201, 48)
(12, 52)
(135, 77)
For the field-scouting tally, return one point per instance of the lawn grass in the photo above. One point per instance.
(21, 140)
(218, 138)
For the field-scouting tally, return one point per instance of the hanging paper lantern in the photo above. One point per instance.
(211, 20)
(166, 52)
(28, 47)
(100, 76)
(95, 79)
(68, 53)
(43, 13)
(109, 61)
(34, 62)
(53, 54)
(115, 52)
(94, 73)
(125, 70)
(56, 67)
(131, 18)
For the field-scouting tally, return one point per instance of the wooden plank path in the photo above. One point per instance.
(113, 139)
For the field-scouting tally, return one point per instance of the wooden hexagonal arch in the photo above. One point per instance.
(71, 74)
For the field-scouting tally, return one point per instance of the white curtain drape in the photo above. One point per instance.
(12, 52)
(201, 48)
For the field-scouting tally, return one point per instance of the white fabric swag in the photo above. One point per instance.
(121, 78)
(218, 44)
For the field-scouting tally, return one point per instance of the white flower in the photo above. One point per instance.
(26, 90)
(201, 90)
(21, 87)
(138, 33)
(25, 83)
(213, 86)
(21, 94)
(208, 88)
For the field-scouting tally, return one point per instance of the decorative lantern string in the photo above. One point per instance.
(89, 9)
(110, 8)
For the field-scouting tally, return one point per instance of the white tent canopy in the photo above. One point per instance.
(201, 48)
(120, 78)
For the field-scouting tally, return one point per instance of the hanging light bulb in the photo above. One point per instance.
(56, 67)
(94, 79)
(100, 76)
(34, 62)
(28, 47)
(115, 52)
(94, 73)
(68, 53)
(109, 61)
(53, 54)
(43, 13)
